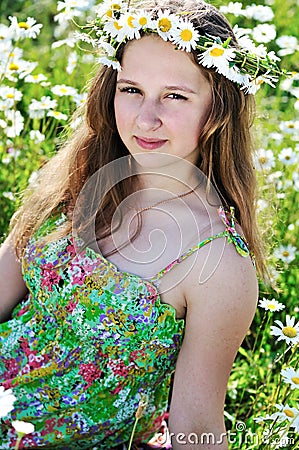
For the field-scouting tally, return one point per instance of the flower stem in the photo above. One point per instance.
(18, 441)
(132, 434)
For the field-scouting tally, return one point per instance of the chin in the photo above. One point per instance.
(154, 159)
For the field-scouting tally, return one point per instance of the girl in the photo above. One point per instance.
(131, 259)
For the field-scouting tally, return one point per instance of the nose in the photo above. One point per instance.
(148, 117)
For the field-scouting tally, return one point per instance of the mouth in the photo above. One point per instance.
(149, 143)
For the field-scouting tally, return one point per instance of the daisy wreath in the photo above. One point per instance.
(117, 23)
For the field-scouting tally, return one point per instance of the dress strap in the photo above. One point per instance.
(230, 232)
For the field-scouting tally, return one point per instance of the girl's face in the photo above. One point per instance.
(162, 99)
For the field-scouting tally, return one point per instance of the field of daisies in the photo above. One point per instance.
(43, 75)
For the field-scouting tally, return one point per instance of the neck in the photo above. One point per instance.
(169, 173)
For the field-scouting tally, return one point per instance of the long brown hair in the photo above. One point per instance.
(225, 148)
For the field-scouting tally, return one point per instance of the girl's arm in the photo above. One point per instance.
(219, 313)
(12, 285)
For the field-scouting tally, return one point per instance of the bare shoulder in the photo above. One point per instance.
(222, 287)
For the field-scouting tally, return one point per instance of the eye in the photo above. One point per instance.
(129, 90)
(175, 96)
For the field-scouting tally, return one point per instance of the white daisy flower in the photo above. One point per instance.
(234, 8)
(262, 419)
(64, 17)
(287, 156)
(218, 57)
(233, 73)
(166, 24)
(288, 332)
(255, 84)
(62, 90)
(28, 29)
(108, 48)
(3, 124)
(6, 34)
(38, 78)
(10, 95)
(71, 62)
(15, 122)
(57, 115)
(109, 8)
(109, 62)
(115, 29)
(37, 108)
(259, 12)
(288, 45)
(36, 136)
(271, 305)
(185, 36)
(10, 196)
(264, 33)
(80, 99)
(291, 377)
(144, 20)
(22, 428)
(262, 204)
(130, 26)
(289, 413)
(289, 126)
(19, 67)
(278, 137)
(7, 400)
(264, 159)
(287, 253)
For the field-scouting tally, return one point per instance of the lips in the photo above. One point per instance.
(150, 143)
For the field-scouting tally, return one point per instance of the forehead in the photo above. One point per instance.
(152, 58)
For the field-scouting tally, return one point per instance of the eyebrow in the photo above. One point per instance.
(170, 88)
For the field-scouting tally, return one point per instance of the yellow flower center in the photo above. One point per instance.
(117, 26)
(287, 157)
(63, 90)
(35, 77)
(130, 21)
(164, 24)
(142, 21)
(291, 125)
(289, 332)
(10, 96)
(271, 306)
(13, 66)
(23, 25)
(286, 253)
(263, 160)
(295, 380)
(289, 413)
(115, 6)
(186, 35)
(216, 52)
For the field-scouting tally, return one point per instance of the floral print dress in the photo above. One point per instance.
(87, 345)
